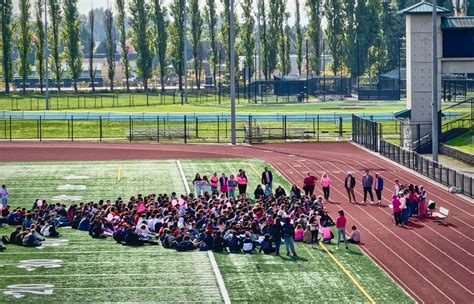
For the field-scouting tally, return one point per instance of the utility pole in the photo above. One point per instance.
(232, 73)
(434, 98)
(46, 52)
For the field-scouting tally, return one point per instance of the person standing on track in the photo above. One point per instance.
(267, 179)
(349, 184)
(309, 183)
(378, 187)
(367, 182)
(4, 192)
(326, 183)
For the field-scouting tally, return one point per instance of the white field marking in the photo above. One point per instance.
(383, 243)
(18, 291)
(71, 187)
(53, 243)
(79, 275)
(215, 268)
(65, 197)
(183, 177)
(74, 252)
(401, 239)
(30, 265)
(140, 261)
(220, 280)
(69, 177)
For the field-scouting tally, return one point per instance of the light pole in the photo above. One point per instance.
(46, 52)
(185, 51)
(232, 73)
(434, 96)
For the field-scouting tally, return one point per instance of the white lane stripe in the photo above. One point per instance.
(220, 280)
(215, 268)
(183, 177)
(29, 275)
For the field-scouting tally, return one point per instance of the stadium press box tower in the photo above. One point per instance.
(455, 49)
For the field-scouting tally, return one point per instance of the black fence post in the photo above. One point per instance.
(218, 130)
(100, 128)
(340, 127)
(10, 128)
(130, 128)
(158, 128)
(185, 122)
(40, 134)
(197, 127)
(317, 118)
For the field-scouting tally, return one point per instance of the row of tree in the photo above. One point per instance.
(362, 37)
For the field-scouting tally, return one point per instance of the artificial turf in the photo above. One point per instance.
(103, 271)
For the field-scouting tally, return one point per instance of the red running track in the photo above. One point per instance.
(432, 262)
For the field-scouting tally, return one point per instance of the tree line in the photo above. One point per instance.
(363, 37)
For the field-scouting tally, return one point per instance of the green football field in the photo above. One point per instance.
(88, 270)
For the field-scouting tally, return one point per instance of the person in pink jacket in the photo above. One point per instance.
(326, 183)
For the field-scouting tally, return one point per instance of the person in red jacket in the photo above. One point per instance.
(309, 183)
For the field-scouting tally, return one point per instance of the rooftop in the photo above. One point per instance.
(423, 8)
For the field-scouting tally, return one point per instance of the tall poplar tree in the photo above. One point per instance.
(333, 11)
(39, 42)
(211, 20)
(71, 39)
(121, 16)
(315, 33)
(110, 46)
(161, 39)
(92, 70)
(275, 33)
(248, 40)
(7, 43)
(177, 32)
(139, 23)
(196, 35)
(299, 37)
(54, 37)
(24, 42)
(263, 28)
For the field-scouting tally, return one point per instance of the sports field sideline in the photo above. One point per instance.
(93, 270)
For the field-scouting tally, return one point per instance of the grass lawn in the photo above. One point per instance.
(464, 142)
(200, 131)
(204, 103)
(93, 270)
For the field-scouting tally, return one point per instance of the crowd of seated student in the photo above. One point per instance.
(210, 221)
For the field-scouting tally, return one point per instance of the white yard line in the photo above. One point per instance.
(212, 259)
(183, 177)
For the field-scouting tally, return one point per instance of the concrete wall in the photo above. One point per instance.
(454, 153)
(419, 67)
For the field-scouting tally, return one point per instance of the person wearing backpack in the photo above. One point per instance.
(288, 234)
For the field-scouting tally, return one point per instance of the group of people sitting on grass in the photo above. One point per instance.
(214, 220)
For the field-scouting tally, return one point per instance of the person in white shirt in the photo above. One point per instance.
(355, 236)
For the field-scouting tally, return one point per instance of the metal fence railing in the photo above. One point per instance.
(428, 168)
(369, 134)
(176, 128)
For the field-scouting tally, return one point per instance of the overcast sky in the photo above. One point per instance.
(85, 6)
